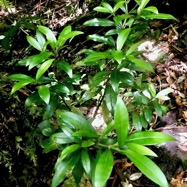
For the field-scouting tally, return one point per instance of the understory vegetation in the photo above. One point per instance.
(63, 90)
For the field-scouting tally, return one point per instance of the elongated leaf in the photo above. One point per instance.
(103, 168)
(115, 80)
(149, 138)
(108, 6)
(41, 40)
(86, 161)
(34, 98)
(63, 65)
(160, 16)
(87, 143)
(37, 59)
(121, 122)
(95, 56)
(61, 138)
(63, 38)
(118, 5)
(44, 93)
(148, 114)
(65, 31)
(60, 88)
(50, 108)
(117, 55)
(136, 121)
(21, 84)
(132, 48)
(19, 77)
(142, 6)
(141, 64)
(104, 39)
(99, 22)
(152, 9)
(32, 41)
(140, 149)
(122, 37)
(85, 133)
(68, 150)
(102, 9)
(147, 167)
(62, 168)
(78, 172)
(43, 68)
(77, 121)
(47, 32)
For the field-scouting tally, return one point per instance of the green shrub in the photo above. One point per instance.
(120, 73)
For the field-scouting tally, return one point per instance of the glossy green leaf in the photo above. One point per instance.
(108, 6)
(63, 65)
(32, 41)
(95, 56)
(152, 90)
(115, 80)
(141, 63)
(69, 149)
(21, 84)
(63, 168)
(149, 138)
(77, 121)
(86, 162)
(103, 168)
(102, 9)
(140, 149)
(61, 138)
(20, 77)
(87, 143)
(160, 16)
(34, 60)
(142, 6)
(122, 37)
(85, 133)
(151, 9)
(121, 122)
(41, 40)
(60, 88)
(33, 98)
(63, 38)
(43, 68)
(133, 48)
(47, 32)
(99, 22)
(147, 167)
(112, 32)
(117, 55)
(118, 5)
(157, 107)
(45, 127)
(104, 39)
(44, 93)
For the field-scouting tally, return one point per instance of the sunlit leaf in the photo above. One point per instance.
(99, 22)
(44, 93)
(43, 68)
(20, 77)
(21, 84)
(140, 149)
(63, 65)
(122, 37)
(102, 9)
(32, 41)
(61, 138)
(147, 167)
(151, 9)
(41, 40)
(118, 5)
(160, 16)
(148, 138)
(142, 6)
(86, 162)
(163, 93)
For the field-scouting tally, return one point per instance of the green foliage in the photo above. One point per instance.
(119, 71)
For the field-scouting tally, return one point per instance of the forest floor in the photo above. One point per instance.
(170, 71)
